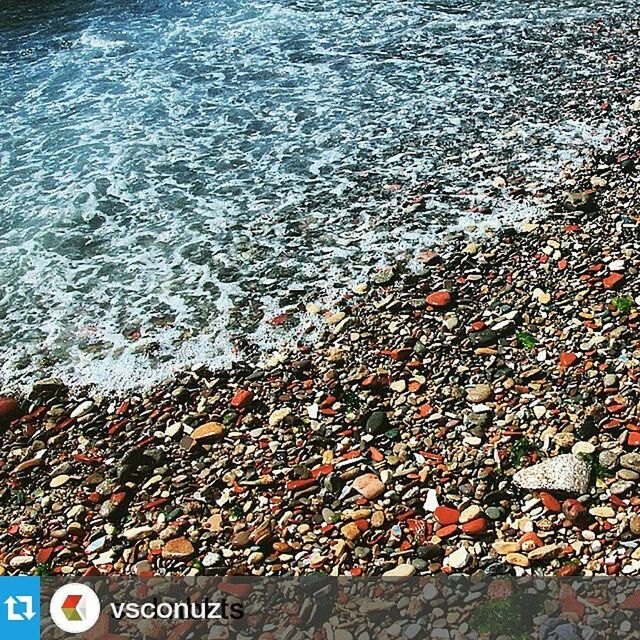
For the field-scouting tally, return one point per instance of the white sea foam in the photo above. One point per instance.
(175, 179)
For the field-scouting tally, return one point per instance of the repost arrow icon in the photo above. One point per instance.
(29, 612)
(11, 613)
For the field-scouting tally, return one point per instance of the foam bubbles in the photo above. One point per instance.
(174, 177)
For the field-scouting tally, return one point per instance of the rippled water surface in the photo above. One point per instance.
(173, 174)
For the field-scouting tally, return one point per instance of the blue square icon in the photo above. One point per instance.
(20, 607)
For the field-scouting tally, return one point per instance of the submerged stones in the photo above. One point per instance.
(581, 201)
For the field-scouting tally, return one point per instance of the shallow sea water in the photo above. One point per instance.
(174, 174)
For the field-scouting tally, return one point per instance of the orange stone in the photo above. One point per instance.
(446, 515)
(401, 354)
(570, 569)
(425, 410)
(177, 549)
(475, 527)
(634, 439)
(208, 431)
(242, 398)
(439, 299)
(550, 503)
(446, 532)
(615, 408)
(567, 359)
(350, 531)
(531, 537)
(612, 281)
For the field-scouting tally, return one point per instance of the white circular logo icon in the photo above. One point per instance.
(75, 608)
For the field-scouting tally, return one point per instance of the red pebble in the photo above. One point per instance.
(296, 485)
(550, 503)
(634, 439)
(9, 410)
(42, 557)
(612, 281)
(569, 569)
(449, 530)
(439, 299)
(567, 359)
(242, 398)
(573, 509)
(401, 354)
(446, 515)
(475, 527)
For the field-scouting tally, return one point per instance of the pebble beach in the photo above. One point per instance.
(482, 415)
(479, 414)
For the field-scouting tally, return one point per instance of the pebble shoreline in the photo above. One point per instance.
(480, 415)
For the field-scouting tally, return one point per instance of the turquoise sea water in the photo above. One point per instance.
(173, 174)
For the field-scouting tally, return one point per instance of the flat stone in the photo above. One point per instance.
(634, 525)
(602, 512)
(278, 416)
(377, 423)
(470, 513)
(565, 472)
(517, 559)
(58, 481)
(545, 553)
(483, 338)
(621, 486)
(446, 515)
(336, 318)
(83, 409)
(208, 431)
(541, 296)
(177, 549)
(401, 571)
(22, 562)
(241, 398)
(479, 393)
(368, 486)
(350, 531)
(439, 299)
(505, 548)
(137, 533)
(96, 545)
(431, 501)
(630, 461)
(582, 447)
(458, 559)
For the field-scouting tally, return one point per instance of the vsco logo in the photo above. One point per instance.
(75, 608)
